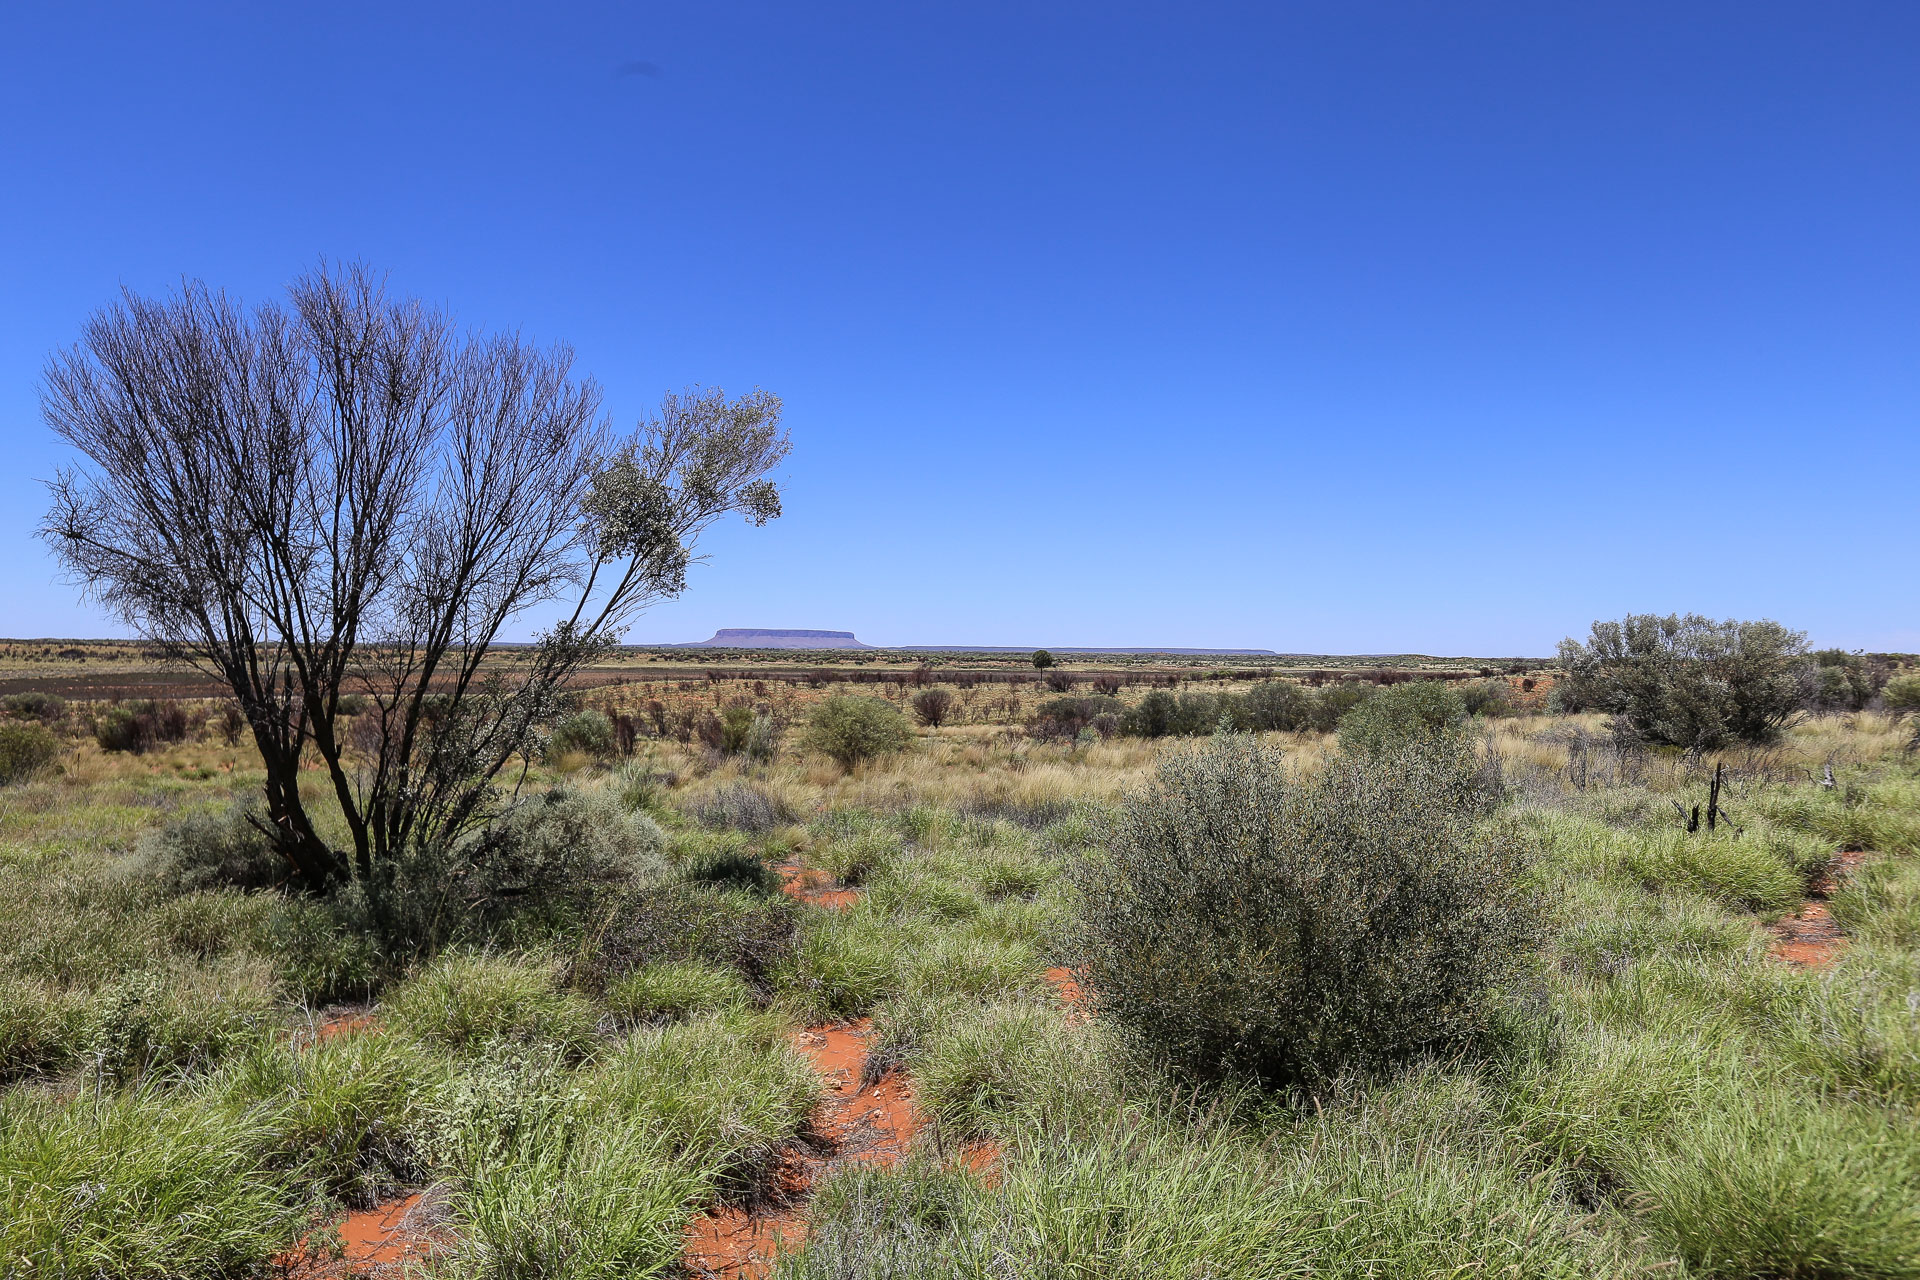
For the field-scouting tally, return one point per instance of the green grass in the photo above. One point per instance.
(465, 1001)
(1671, 1099)
(136, 1185)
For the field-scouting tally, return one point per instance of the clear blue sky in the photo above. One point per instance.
(1444, 327)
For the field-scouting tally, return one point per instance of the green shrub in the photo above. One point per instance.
(1278, 705)
(1161, 715)
(851, 729)
(1246, 917)
(25, 749)
(226, 850)
(1687, 682)
(1403, 714)
(587, 733)
(669, 990)
(554, 853)
(462, 1002)
(1332, 703)
(35, 705)
(1068, 717)
(1902, 694)
(751, 934)
(140, 726)
(1842, 681)
(1486, 697)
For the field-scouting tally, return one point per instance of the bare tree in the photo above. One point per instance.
(347, 495)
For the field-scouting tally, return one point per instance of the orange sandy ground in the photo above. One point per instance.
(385, 1241)
(1810, 936)
(871, 1125)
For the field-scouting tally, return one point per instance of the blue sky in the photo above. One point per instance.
(1317, 327)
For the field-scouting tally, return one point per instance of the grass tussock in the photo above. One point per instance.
(591, 1060)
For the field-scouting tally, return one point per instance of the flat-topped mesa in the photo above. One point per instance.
(770, 638)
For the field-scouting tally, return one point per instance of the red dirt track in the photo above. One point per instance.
(1811, 938)
(871, 1125)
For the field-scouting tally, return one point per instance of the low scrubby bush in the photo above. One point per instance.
(25, 750)
(751, 934)
(1245, 917)
(852, 729)
(140, 726)
(587, 733)
(551, 855)
(1841, 681)
(932, 707)
(1401, 715)
(1067, 718)
(226, 850)
(1160, 714)
(34, 705)
(1278, 705)
(1486, 697)
(1902, 694)
(742, 806)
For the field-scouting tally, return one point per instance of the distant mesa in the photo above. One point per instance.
(768, 638)
(765, 638)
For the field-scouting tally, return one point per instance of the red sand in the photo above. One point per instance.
(814, 885)
(385, 1242)
(1068, 988)
(341, 1024)
(1811, 937)
(857, 1125)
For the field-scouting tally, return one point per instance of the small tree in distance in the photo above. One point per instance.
(932, 707)
(1687, 681)
(1042, 659)
(346, 495)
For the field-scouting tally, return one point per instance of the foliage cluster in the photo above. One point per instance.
(1687, 681)
(854, 729)
(25, 750)
(1245, 917)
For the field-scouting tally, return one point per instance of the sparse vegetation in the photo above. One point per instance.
(590, 1038)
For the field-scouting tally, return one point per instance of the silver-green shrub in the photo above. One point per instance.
(1245, 917)
(852, 729)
